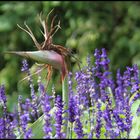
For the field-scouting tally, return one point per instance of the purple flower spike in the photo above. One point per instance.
(25, 65)
(128, 116)
(28, 134)
(97, 63)
(46, 107)
(2, 128)
(98, 121)
(24, 119)
(2, 95)
(3, 101)
(72, 112)
(33, 96)
(105, 61)
(59, 119)
(72, 103)
(78, 127)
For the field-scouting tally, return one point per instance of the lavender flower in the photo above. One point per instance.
(119, 122)
(24, 118)
(98, 121)
(72, 107)
(86, 86)
(82, 88)
(6, 129)
(78, 127)
(41, 88)
(97, 63)
(33, 96)
(27, 105)
(28, 134)
(72, 103)
(91, 82)
(59, 117)
(119, 90)
(3, 99)
(105, 61)
(92, 95)
(46, 110)
(128, 116)
(134, 78)
(25, 66)
(126, 80)
(102, 73)
(2, 128)
(4, 121)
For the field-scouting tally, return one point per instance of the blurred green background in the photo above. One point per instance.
(85, 26)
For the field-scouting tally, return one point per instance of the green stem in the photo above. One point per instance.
(65, 92)
(89, 117)
(71, 130)
(65, 99)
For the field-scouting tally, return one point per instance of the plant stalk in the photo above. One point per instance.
(65, 99)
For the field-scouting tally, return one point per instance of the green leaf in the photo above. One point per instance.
(37, 128)
(65, 99)
(111, 96)
(132, 97)
(135, 133)
(135, 106)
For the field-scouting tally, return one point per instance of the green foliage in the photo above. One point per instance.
(135, 133)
